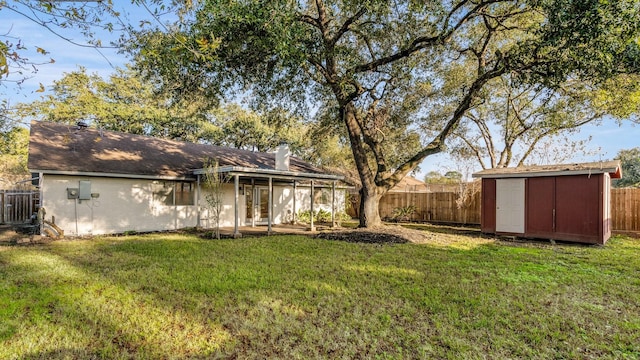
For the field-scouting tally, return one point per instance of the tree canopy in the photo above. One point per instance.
(630, 162)
(514, 124)
(125, 102)
(388, 71)
(13, 156)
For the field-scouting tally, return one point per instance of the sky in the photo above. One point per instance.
(606, 139)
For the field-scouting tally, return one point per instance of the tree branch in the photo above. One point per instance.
(345, 26)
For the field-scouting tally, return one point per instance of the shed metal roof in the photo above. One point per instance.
(72, 150)
(600, 167)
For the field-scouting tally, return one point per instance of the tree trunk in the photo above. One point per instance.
(369, 194)
(369, 208)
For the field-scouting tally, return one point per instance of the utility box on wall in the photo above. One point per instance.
(84, 190)
(72, 193)
(561, 202)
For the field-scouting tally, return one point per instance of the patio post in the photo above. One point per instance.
(312, 227)
(236, 191)
(333, 204)
(253, 202)
(198, 203)
(270, 210)
(293, 221)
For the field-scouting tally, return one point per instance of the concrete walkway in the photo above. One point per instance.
(262, 230)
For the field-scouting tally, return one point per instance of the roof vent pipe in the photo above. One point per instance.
(282, 157)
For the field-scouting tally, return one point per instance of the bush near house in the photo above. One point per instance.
(177, 296)
(321, 216)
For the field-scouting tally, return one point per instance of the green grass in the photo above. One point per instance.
(177, 296)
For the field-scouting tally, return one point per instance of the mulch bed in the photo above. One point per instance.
(378, 235)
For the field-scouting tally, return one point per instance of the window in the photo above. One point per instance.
(171, 193)
(322, 196)
(185, 193)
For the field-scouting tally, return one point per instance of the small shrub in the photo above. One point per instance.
(403, 213)
(321, 216)
(304, 216)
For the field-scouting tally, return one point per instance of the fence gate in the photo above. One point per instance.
(17, 206)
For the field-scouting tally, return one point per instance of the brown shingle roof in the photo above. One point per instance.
(69, 149)
(599, 167)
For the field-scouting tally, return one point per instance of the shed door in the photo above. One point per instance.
(510, 206)
(541, 194)
(577, 205)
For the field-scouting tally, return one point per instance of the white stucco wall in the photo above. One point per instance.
(128, 205)
(123, 205)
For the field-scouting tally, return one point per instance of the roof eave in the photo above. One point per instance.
(281, 174)
(615, 173)
(111, 175)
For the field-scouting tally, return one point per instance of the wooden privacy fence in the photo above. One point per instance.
(625, 209)
(441, 207)
(444, 207)
(17, 206)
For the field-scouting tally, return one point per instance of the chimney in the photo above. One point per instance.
(282, 157)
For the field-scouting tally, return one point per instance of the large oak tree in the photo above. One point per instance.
(387, 70)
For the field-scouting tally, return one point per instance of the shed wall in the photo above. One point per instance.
(572, 207)
(540, 206)
(488, 206)
(578, 207)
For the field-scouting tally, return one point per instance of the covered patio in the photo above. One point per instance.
(256, 185)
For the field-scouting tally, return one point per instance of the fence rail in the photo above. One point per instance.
(444, 207)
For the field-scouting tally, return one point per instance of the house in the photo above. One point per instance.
(409, 184)
(568, 202)
(102, 182)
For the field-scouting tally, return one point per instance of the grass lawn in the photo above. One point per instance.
(177, 296)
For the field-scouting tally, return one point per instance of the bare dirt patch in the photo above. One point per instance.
(417, 234)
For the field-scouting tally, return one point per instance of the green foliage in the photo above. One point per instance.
(591, 39)
(178, 296)
(320, 216)
(13, 155)
(128, 103)
(450, 177)
(245, 129)
(403, 213)
(630, 163)
(124, 102)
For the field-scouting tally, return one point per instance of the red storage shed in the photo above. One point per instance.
(568, 202)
